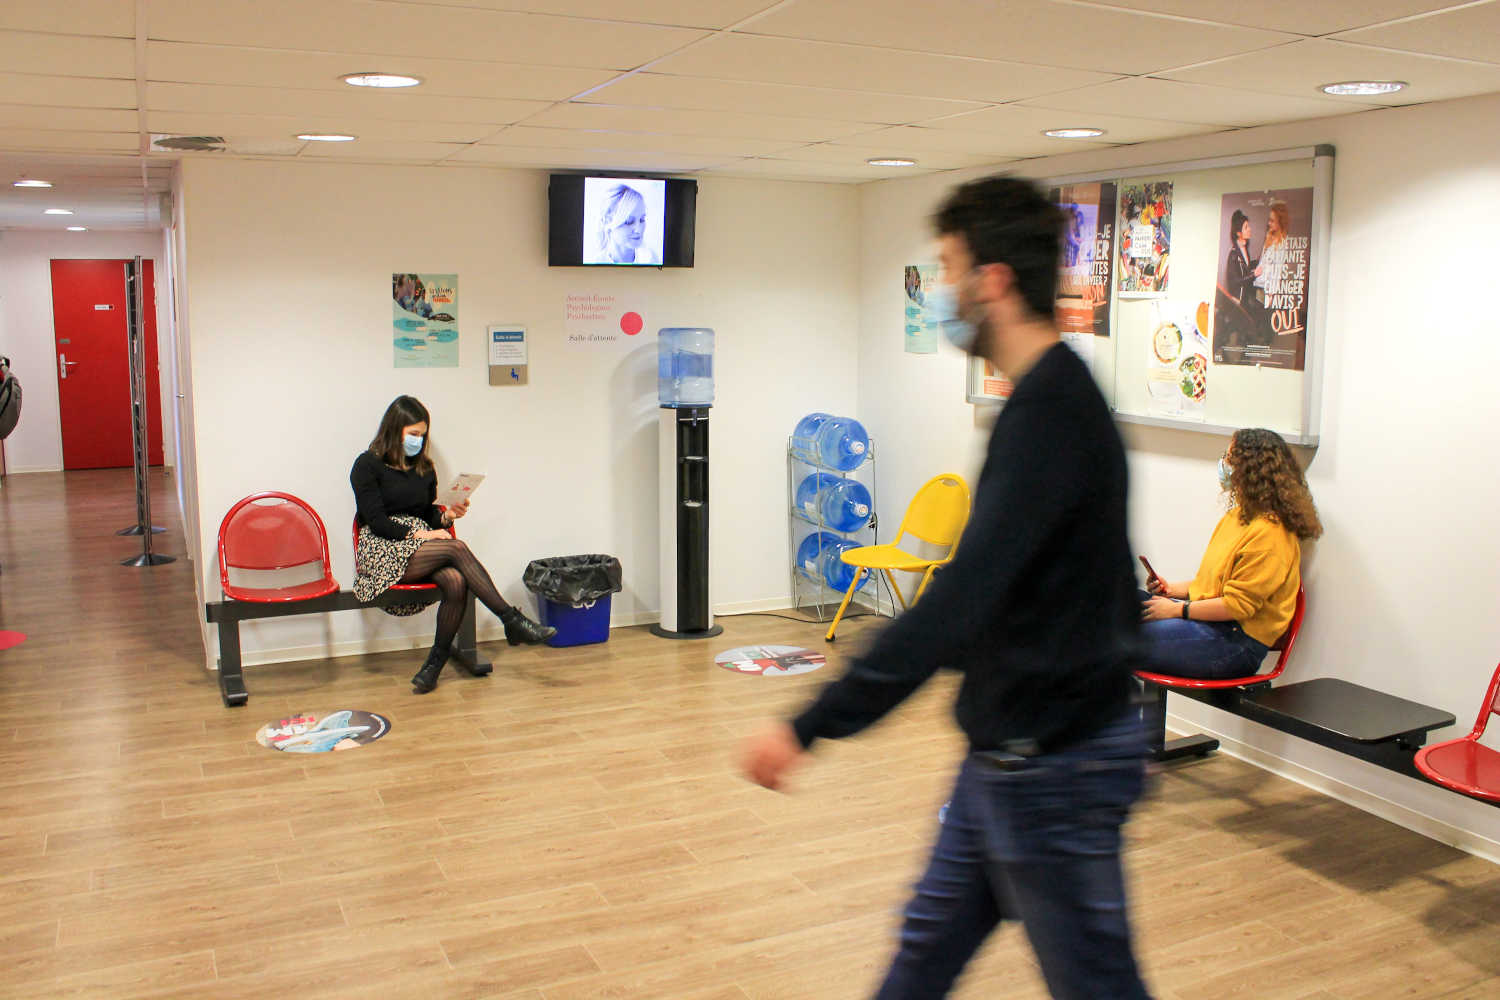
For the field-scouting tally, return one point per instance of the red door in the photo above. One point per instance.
(90, 321)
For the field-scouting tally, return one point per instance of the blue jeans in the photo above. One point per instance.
(1035, 839)
(1205, 650)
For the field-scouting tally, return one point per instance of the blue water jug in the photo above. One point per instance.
(838, 574)
(809, 496)
(845, 504)
(685, 366)
(810, 553)
(842, 444)
(805, 437)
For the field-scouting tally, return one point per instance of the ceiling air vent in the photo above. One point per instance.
(188, 143)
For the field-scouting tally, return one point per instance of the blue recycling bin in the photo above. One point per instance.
(573, 594)
(576, 624)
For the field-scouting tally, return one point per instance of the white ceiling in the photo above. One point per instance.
(796, 89)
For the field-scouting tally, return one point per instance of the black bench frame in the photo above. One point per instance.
(228, 614)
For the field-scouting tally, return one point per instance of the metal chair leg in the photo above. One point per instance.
(853, 586)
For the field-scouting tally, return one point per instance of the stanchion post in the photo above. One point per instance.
(135, 309)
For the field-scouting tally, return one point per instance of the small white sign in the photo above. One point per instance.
(507, 346)
(102, 308)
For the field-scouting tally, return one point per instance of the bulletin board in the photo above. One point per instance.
(1195, 291)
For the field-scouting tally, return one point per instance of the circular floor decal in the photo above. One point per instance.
(9, 639)
(318, 732)
(770, 661)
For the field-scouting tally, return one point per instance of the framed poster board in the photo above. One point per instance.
(1202, 287)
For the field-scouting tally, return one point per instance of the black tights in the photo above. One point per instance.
(455, 570)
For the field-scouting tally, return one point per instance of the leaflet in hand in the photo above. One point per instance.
(462, 487)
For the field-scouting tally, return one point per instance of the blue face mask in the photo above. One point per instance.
(411, 444)
(1225, 470)
(942, 310)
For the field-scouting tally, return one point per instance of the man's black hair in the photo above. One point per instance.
(1005, 220)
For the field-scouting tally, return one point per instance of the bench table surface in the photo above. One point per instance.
(1349, 710)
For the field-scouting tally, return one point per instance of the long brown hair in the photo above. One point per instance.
(387, 444)
(1283, 221)
(1266, 480)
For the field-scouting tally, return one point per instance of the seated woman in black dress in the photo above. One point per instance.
(402, 537)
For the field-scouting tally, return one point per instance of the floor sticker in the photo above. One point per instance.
(9, 639)
(320, 732)
(770, 661)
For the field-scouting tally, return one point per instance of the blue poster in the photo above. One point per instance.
(921, 334)
(424, 310)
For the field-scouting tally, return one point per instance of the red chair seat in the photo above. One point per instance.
(1464, 765)
(276, 595)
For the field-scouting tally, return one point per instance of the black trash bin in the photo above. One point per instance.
(574, 595)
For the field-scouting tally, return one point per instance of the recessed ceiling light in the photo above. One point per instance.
(58, 211)
(78, 229)
(1073, 133)
(380, 80)
(891, 161)
(25, 183)
(1363, 88)
(324, 137)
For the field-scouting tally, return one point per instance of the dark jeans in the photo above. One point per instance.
(1205, 650)
(1035, 839)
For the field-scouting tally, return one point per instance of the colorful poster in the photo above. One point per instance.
(921, 333)
(987, 384)
(597, 319)
(424, 310)
(1265, 253)
(1145, 238)
(1088, 252)
(1177, 368)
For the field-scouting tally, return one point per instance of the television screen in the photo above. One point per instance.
(621, 221)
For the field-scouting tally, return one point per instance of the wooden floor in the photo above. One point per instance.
(573, 827)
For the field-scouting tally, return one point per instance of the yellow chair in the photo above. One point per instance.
(936, 515)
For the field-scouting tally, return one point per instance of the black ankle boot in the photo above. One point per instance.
(426, 678)
(520, 629)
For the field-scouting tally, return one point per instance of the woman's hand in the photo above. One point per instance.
(1160, 609)
(455, 512)
(431, 534)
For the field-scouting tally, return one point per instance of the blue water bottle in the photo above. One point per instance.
(838, 574)
(842, 444)
(805, 437)
(809, 497)
(810, 553)
(845, 504)
(685, 367)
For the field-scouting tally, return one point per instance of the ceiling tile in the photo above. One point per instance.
(360, 27)
(696, 93)
(855, 156)
(1471, 32)
(351, 102)
(1025, 125)
(184, 62)
(1190, 102)
(647, 142)
(102, 17)
(1036, 31)
(67, 55)
(1318, 17)
(579, 159)
(66, 91)
(682, 122)
(805, 170)
(72, 119)
(1299, 69)
(285, 127)
(49, 140)
(685, 13)
(381, 152)
(861, 67)
(920, 143)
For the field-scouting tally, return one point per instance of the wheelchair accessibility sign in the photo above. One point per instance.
(321, 732)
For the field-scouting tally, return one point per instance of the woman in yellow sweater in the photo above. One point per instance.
(1222, 622)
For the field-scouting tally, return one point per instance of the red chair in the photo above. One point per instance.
(1466, 765)
(1187, 746)
(452, 533)
(274, 531)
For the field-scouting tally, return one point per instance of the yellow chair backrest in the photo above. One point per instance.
(939, 511)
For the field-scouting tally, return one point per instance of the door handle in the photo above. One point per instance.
(62, 366)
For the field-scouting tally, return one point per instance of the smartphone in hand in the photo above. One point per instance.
(1151, 574)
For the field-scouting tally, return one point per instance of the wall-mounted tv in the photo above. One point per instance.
(618, 221)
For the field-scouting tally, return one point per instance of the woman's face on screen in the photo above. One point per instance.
(630, 224)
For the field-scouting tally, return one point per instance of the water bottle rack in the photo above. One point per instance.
(814, 595)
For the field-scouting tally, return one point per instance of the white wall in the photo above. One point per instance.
(27, 338)
(1403, 589)
(289, 316)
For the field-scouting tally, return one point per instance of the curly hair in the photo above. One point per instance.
(1265, 480)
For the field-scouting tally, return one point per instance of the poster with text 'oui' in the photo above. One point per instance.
(1265, 259)
(424, 311)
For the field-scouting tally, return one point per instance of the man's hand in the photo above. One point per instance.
(771, 754)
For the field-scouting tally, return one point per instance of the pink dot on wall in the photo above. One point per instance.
(631, 323)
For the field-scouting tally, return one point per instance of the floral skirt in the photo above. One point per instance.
(380, 562)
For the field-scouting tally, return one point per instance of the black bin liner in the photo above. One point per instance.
(573, 579)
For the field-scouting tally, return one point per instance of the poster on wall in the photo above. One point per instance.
(1265, 256)
(1084, 278)
(1177, 365)
(424, 311)
(921, 333)
(987, 384)
(601, 319)
(1145, 238)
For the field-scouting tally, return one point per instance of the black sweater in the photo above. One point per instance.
(381, 492)
(1038, 608)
